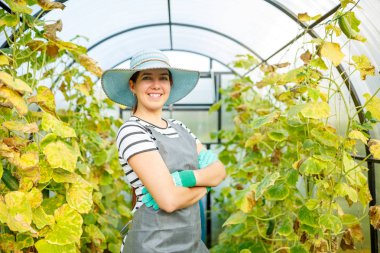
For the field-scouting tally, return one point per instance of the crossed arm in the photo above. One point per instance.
(149, 166)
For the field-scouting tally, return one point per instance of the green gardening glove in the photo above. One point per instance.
(205, 158)
(183, 178)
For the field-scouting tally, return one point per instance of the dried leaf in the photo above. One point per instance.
(90, 65)
(332, 52)
(347, 241)
(306, 57)
(51, 30)
(49, 5)
(374, 216)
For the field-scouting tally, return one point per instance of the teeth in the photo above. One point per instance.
(155, 95)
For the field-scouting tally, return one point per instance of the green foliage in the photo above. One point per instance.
(61, 186)
(290, 170)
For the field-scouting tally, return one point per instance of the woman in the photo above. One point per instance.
(161, 158)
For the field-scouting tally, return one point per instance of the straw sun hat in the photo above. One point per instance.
(115, 82)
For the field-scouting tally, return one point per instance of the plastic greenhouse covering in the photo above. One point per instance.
(207, 35)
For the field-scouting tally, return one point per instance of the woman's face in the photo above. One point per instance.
(152, 89)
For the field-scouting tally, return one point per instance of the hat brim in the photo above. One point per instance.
(115, 83)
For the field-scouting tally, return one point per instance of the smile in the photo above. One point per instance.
(155, 95)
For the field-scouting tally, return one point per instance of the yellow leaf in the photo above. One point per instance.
(364, 66)
(58, 127)
(304, 17)
(253, 140)
(357, 135)
(374, 148)
(15, 99)
(61, 155)
(79, 196)
(334, 28)
(332, 52)
(34, 197)
(373, 106)
(90, 65)
(41, 219)
(68, 226)
(44, 98)
(19, 212)
(14, 83)
(316, 110)
(74, 48)
(4, 60)
(50, 5)
(21, 126)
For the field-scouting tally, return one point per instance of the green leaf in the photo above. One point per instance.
(3, 212)
(97, 237)
(100, 157)
(307, 217)
(61, 155)
(342, 189)
(19, 6)
(325, 137)
(235, 218)
(331, 222)
(316, 110)
(349, 219)
(24, 241)
(268, 181)
(264, 120)
(298, 249)
(68, 226)
(286, 227)
(1, 169)
(278, 135)
(245, 251)
(312, 204)
(43, 246)
(215, 106)
(318, 63)
(277, 192)
(49, 122)
(312, 166)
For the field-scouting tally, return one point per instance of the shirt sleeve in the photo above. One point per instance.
(186, 128)
(133, 139)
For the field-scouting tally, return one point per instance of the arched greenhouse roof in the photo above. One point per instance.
(219, 30)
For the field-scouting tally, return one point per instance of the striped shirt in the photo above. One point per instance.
(133, 139)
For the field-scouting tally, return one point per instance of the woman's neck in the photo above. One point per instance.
(153, 118)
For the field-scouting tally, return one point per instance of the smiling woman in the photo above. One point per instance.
(163, 161)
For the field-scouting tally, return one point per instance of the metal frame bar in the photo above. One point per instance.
(180, 25)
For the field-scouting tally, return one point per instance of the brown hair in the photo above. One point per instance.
(134, 79)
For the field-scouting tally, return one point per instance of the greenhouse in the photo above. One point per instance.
(275, 140)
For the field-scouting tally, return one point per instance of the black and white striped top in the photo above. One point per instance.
(133, 139)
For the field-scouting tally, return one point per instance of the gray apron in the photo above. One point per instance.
(177, 232)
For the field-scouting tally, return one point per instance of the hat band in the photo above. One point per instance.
(152, 59)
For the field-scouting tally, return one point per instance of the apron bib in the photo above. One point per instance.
(177, 232)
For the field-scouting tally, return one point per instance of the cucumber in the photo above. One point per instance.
(9, 180)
